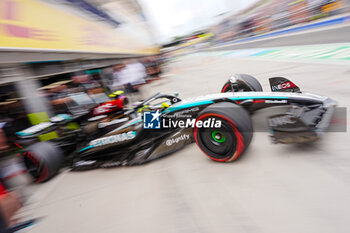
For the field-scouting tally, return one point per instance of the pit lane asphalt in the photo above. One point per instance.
(271, 189)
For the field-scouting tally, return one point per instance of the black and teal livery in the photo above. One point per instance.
(307, 117)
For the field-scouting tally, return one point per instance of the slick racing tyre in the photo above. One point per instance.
(252, 82)
(227, 142)
(43, 160)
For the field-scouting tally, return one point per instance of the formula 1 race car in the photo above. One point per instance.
(220, 124)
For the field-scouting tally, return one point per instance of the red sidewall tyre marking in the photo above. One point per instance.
(44, 171)
(43, 174)
(225, 87)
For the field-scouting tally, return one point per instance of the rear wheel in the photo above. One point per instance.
(252, 82)
(43, 160)
(227, 142)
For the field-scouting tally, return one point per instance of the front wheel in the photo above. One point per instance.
(227, 142)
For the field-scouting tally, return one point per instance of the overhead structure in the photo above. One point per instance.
(47, 39)
(32, 30)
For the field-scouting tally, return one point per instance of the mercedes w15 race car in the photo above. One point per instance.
(220, 124)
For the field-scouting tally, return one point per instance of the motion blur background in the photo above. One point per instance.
(46, 43)
(53, 49)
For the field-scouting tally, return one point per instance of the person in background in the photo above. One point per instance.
(129, 76)
(118, 78)
(136, 73)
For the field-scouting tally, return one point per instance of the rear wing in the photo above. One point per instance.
(281, 84)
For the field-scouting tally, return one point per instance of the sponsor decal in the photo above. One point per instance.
(151, 120)
(84, 163)
(184, 112)
(282, 86)
(191, 122)
(200, 98)
(281, 120)
(176, 140)
(104, 108)
(113, 139)
(276, 101)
